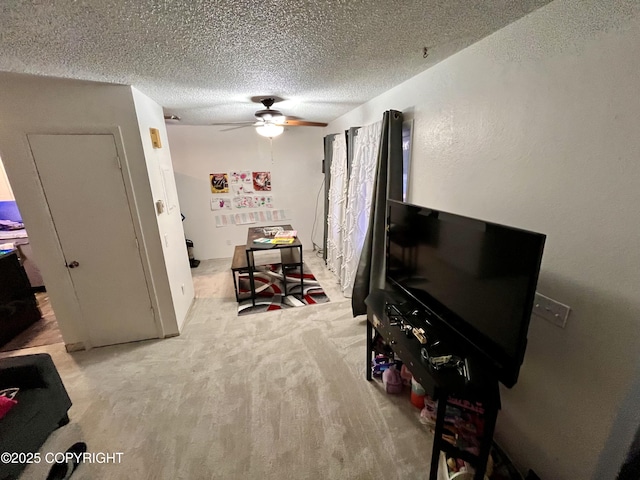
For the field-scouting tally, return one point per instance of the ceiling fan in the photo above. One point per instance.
(270, 122)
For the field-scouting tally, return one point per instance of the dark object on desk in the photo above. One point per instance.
(18, 306)
(20, 241)
(18, 237)
(42, 406)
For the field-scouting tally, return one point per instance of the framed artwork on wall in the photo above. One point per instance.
(262, 181)
(219, 182)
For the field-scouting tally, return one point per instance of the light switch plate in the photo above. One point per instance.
(155, 138)
(551, 310)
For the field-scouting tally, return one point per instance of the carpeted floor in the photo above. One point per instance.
(270, 290)
(280, 395)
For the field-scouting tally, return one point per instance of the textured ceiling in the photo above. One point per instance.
(204, 59)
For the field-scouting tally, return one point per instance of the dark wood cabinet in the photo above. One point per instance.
(18, 306)
(477, 385)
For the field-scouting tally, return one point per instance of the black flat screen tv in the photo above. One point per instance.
(476, 278)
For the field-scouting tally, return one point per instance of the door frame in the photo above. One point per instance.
(116, 132)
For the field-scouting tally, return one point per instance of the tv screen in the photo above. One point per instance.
(478, 278)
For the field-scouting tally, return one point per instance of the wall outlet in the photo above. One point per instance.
(551, 310)
(182, 287)
(228, 242)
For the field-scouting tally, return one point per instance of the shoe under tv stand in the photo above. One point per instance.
(442, 384)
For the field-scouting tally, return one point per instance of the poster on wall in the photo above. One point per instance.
(262, 201)
(262, 181)
(221, 203)
(242, 189)
(252, 217)
(222, 221)
(240, 177)
(245, 201)
(219, 183)
(244, 218)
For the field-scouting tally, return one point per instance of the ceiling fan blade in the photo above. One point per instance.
(232, 123)
(237, 127)
(301, 123)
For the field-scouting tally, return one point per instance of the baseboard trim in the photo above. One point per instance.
(74, 347)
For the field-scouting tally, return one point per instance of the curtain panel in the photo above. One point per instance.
(337, 204)
(364, 145)
(326, 169)
(370, 273)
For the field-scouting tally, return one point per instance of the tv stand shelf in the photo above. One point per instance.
(442, 384)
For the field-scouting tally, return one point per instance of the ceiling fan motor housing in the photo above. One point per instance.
(270, 115)
(274, 119)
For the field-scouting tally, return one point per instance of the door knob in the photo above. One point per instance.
(73, 264)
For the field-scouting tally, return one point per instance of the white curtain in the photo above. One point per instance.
(337, 204)
(359, 194)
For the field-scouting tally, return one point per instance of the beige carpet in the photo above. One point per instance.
(279, 395)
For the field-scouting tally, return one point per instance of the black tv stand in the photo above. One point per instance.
(388, 314)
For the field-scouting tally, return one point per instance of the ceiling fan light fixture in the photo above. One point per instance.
(269, 130)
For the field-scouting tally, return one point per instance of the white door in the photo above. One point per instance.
(82, 181)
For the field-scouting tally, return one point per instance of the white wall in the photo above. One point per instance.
(162, 182)
(6, 194)
(30, 104)
(296, 177)
(537, 127)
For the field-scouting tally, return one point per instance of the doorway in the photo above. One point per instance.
(14, 240)
(82, 180)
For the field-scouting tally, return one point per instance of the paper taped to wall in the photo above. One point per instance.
(252, 217)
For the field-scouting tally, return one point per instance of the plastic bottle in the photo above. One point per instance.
(417, 394)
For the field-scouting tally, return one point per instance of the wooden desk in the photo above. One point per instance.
(440, 384)
(290, 256)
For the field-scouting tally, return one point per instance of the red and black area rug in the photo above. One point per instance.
(269, 283)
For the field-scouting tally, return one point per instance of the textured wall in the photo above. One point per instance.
(536, 126)
(296, 171)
